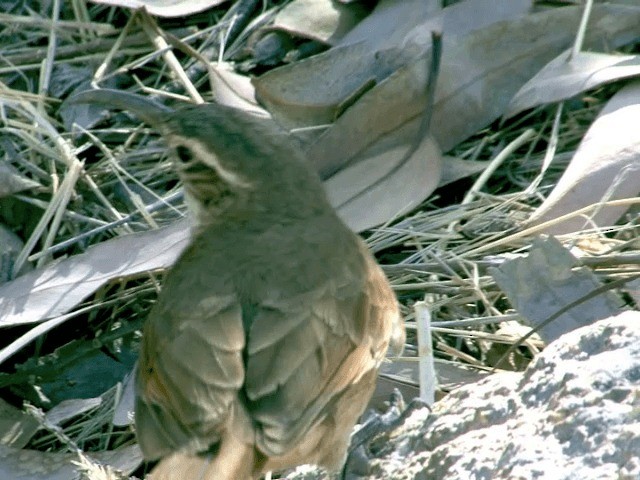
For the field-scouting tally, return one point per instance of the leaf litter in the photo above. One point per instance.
(85, 301)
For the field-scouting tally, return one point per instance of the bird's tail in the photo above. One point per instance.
(233, 461)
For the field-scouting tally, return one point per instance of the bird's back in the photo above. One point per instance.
(273, 349)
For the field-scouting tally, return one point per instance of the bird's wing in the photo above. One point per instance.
(304, 351)
(189, 373)
(301, 352)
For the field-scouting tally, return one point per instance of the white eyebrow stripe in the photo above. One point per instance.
(206, 156)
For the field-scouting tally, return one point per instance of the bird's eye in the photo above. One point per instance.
(183, 154)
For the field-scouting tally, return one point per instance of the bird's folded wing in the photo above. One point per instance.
(305, 351)
(189, 373)
(301, 352)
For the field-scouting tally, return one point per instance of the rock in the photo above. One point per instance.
(571, 415)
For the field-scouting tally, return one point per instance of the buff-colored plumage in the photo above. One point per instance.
(263, 348)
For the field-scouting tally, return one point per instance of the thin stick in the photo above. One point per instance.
(152, 29)
(151, 208)
(543, 226)
(495, 163)
(582, 29)
(428, 380)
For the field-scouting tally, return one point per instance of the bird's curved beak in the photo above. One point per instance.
(144, 108)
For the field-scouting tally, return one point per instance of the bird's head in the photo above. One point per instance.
(231, 162)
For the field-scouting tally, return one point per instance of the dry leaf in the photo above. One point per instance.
(606, 166)
(68, 409)
(566, 76)
(164, 8)
(292, 94)
(322, 20)
(16, 427)
(232, 89)
(545, 281)
(390, 22)
(375, 188)
(358, 152)
(480, 73)
(377, 114)
(392, 36)
(500, 58)
(404, 28)
(403, 374)
(124, 409)
(58, 288)
(454, 169)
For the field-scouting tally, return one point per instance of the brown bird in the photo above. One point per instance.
(263, 347)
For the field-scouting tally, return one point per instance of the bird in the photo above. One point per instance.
(263, 347)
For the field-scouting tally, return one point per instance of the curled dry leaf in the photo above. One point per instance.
(566, 76)
(233, 89)
(393, 36)
(322, 20)
(165, 8)
(480, 73)
(606, 166)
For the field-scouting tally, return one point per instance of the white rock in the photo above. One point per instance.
(573, 414)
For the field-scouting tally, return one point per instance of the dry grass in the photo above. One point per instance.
(98, 184)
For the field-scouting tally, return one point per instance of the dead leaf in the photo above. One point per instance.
(58, 288)
(390, 22)
(164, 8)
(123, 411)
(403, 374)
(545, 281)
(606, 166)
(322, 20)
(68, 409)
(376, 115)
(503, 56)
(375, 188)
(390, 38)
(566, 76)
(454, 169)
(232, 89)
(292, 95)
(16, 427)
(480, 73)
(404, 28)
